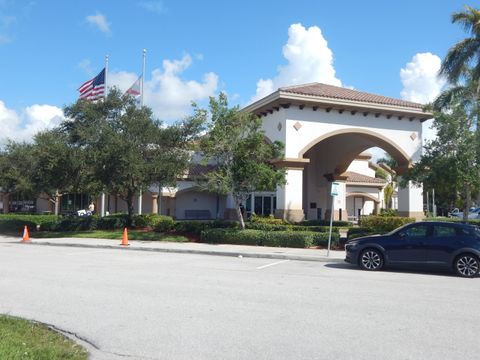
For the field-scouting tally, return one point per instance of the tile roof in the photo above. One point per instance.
(200, 170)
(336, 92)
(354, 177)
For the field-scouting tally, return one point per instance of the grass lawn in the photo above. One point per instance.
(21, 339)
(111, 234)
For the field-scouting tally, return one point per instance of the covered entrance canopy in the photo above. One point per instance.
(324, 128)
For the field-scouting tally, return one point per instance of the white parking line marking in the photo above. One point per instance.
(272, 264)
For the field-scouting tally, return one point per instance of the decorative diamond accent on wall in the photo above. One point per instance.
(279, 126)
(297, 126)
(413, 136)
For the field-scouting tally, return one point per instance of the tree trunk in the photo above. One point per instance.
(468, 200)
(239, 214)
(129, 201)
(6, 203)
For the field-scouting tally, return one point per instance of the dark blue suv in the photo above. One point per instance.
(435, 244)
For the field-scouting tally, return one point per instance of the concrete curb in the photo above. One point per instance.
(197, 252)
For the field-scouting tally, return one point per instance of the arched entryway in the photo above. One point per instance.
(324, 128)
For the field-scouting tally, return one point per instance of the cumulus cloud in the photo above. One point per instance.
(309, 59)
(21, 126)
(157, 7)
(100, 22)
(420, 79)
(167, 93)
(422, 84)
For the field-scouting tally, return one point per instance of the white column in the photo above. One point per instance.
(410, 200)
(290, 197)
(230, 208)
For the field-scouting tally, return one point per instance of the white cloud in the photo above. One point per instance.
(422, 84)
(169, 95)
(86, 66)
(309, 60)
(420, 78)
(32, 119)
(100, 21)
(157, 7)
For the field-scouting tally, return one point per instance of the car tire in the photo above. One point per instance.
(371, 260)
(466, 265)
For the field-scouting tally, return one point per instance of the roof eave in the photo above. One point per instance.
(338, 103)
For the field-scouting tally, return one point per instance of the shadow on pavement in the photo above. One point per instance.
(420, 271)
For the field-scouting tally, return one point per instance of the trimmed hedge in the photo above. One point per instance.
(288, 227)
(384, 224)
(297, 239)
(324, 223)
(267, 220)
(16, 222)
(354, 233)
(195, 227)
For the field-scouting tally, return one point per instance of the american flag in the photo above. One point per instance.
(94, 88)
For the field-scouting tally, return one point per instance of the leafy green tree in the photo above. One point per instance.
(125, 149)
(16, 163)
(236, 143)
(451, 161)
(58, 168)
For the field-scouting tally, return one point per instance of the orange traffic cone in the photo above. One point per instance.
(125, 238)
(26, 235)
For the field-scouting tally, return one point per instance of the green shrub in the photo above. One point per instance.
(141, 221)
(78, 223)
(264, 226)
(232, 236)
(195, 227)
(357, 232)
(295, 239)
(288, 227)
(324, 223)
(388, 212)
(162, 223)
(113, 222)
(384, 224)
(16, 222)
(267, 220)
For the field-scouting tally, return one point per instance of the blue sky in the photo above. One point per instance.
(197, 48)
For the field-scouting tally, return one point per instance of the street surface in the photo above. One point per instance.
(150, 305)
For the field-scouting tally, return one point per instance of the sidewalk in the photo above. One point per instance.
(191, 248)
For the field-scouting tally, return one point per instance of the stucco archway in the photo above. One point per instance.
(358, 140)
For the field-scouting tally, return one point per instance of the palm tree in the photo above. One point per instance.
(465, 54)
(389, 164)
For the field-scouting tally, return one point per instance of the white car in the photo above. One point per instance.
(474, 213)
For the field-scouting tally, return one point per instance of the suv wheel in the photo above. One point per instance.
(371, 259)
(467, 265)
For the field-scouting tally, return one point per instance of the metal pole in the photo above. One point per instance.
(143, 76)
(331, 222)
(102, 202)
(434, 207)
(102, 209)
(140, 197)
(428, 204)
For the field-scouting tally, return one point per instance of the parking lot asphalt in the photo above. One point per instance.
(156, 305)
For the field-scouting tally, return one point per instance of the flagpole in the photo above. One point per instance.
(143, 74)
(102, 210)
(144, 53)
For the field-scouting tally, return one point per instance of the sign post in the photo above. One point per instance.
(333, 193)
